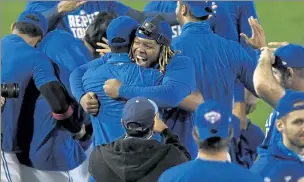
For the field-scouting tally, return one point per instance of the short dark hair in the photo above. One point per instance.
(213, 144)
(203, 18)
(98, 28)
(119, 49)
(132, 132)
(29, 28)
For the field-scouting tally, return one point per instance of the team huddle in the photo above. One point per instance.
(99, 91)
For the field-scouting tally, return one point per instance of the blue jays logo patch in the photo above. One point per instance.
(212, 117)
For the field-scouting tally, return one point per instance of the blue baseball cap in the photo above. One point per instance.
(139, 110)
(212, 120)
(199, 8)
(155, 28)
(41, 21)
(291, 55)
(288, 103)
(121, 27)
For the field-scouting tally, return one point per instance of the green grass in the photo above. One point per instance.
(282, 21)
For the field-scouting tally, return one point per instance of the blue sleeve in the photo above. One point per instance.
(262, 166)
(49, 10)
(43, 71)
(40, 6)
(77, 74)
(243, 65)
(70, 53)
(178, 82)
(239, 91)
(246, 10)
(150, 6)
(113, 6)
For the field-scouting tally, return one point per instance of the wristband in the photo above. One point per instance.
(63, 116)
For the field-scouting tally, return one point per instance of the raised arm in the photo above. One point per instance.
(266, 86)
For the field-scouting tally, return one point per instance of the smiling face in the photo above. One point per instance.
(292, 128)
(145, 52)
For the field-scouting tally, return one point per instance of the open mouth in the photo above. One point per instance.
(141, 60)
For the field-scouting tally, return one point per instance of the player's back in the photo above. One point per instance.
(218, 61)
(77, 21)
(18, 63)
(120, 67)
(206, 171)
(164, 7)
(52, 148)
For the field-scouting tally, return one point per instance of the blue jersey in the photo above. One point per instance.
(218, 62)
(77, 21)
(230, 20)
(205, 171)
(279, 164)
(178, 82)
(107, 124)
(76, 76)
(20, 67)
(165, 7)
(53, 148)
(272, 134)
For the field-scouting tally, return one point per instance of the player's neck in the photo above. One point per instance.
(214, 156)
(25, 37)
(298, 150)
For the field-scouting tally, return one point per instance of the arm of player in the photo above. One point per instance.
(167, 95)
(54, 11)
(246, 10)
(178, 82)
(191, 102)
(243, 66)
(64, 111)
(265, 83)
(76, 76)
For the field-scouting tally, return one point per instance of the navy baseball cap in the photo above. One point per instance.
(41, 21)
(212, 120)
(155, 28)
(292, 101)
(291, 55)
(121, 27)
(139, 110)
(199, 8)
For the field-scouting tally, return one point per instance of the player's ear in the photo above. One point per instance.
(13, 26)
(279, 125)
(184, 10)
(195, 134)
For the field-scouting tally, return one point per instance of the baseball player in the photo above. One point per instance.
(34, 74)
(212, 133)
(75, 17)
(283, 161)
(55, 153)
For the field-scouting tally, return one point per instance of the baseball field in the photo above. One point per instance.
(282, 21)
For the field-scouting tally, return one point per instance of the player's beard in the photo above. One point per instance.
(297, 141)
